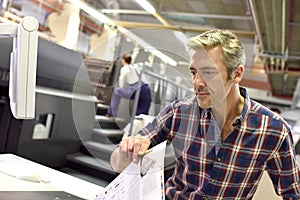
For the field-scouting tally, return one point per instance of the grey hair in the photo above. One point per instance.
(232, 49)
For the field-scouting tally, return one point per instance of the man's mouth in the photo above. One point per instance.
(202, 93)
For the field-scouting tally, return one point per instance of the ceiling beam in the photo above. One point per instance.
(129, 24)
(253, 10)
(182, 14)
(290, 22)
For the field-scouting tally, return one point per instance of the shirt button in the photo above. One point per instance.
(205, 198)
(213, 180)
(219, 159)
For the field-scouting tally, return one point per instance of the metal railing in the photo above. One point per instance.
(167, 90)
(163, 87)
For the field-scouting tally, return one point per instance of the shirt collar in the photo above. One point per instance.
(246, 107)
(198, 111)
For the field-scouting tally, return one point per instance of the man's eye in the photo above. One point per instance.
(193, 72)
(208, 72)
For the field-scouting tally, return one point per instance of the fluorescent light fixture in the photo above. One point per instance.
(180, 36)
(91, 11)
(147, 6)
(104, 19)
(147, 46)
(164, 57)
(183, 63)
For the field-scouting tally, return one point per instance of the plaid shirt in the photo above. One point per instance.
(209, 169)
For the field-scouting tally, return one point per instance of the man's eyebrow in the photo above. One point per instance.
(202, 68)
(207, 67)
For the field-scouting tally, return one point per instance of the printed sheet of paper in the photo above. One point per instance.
(141, 181)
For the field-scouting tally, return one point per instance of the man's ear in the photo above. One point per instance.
(238, 74)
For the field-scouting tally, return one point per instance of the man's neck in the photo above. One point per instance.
(229, 111)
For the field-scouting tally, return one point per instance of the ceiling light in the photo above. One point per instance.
(91, 11)
(104, 19)
(180, 36)
(147, 46)
(147, 6)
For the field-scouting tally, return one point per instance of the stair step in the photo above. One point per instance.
(107, 136)
(91, 165)
(109, 132)
(98, 162)
(109, 119)
(102, 109)
(99, 150)
(105, 122)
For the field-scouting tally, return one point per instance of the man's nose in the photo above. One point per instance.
(198, 80)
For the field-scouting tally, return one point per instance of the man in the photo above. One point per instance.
(128, 84)
(223, 140)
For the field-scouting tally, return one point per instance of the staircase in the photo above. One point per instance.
(93, 157)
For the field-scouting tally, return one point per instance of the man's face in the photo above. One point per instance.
(209, 75)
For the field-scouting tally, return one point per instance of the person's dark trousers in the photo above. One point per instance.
(129, 93)
(118, 93)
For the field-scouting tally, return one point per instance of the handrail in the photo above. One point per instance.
(165, 84)
(136, 101)
(165, 79)
(137, 93)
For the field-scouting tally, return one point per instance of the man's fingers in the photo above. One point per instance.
(144, 146)
(126, 148)
(134, 146)
(137, 146)
(130, 144)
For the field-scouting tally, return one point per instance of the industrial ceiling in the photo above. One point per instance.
(274, 25)
(271, 27)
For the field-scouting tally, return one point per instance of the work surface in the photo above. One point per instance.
(24, 176)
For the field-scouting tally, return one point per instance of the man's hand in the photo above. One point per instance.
(129, 150)
(134, 146)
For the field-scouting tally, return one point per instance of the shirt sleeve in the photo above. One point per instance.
(159, 129)
(284, 170)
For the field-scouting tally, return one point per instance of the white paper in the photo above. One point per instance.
(139, 182)
(17, 168)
